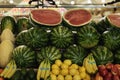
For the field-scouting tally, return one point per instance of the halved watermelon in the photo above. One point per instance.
(113, 20)
(77, 17)
(45, 17)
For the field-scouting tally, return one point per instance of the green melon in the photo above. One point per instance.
(34, 38)
(111, 39)
(8, 22)
(102, 55)
(88, 37)
(45, 17)
(50, 53)
(117, 57)
(23, 56)
(76, 54)
(61, 37)
(76, 18)
(22, 24)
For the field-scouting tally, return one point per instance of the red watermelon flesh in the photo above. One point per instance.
(114, 19)
(46, 16)
(78, 17)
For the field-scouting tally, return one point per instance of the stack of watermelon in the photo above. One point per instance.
(47, 34)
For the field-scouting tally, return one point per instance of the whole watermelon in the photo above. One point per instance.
(102, 55)
(76, 54)
(34, 38)
(117, 57)
(23, 56)
(111, 39)
(50, 53)
(22, 24)
(61, 37)
(9, 23)
(88, 37)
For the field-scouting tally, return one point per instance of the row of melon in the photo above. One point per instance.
(62, 37)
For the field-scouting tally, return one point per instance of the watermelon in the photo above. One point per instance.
(111, 39)
(76, 17)
(117, 57)
(61, 37)
(8, 22)
(113, 20)
(76, 54)
(22, 24)
(50, 53)
(88, 37)
(102, 26)
(34, 38)
(102, 55)
(45, 17)
(23, 56)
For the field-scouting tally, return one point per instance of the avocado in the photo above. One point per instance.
(31, 74)
(16, 76)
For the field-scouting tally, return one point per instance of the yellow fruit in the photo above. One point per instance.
(53, 77)
(68, 77)
(87, 77)
(64, 72)
(64, 66)
(82, 69)
(82, 75)
(54, 66)
(67, 62)
(60, 77)
(74, 66)
(55, 71)
(76, 77)
(77, 72)
(58, 62)
(72, 71)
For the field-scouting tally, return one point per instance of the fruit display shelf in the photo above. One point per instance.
(73, 43)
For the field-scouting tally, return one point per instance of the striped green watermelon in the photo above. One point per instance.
(117, 57)
(111, 39)
(34, 38)
(76, 54)
(61, 37)
(50, 53)
(102, 55)
(8, 22)
(23, 56)
(22, 24)
(88, 37)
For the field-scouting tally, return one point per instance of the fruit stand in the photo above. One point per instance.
(63, 42)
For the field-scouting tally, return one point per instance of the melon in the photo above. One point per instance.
(113, 20)
(45, 17)
(77, 17)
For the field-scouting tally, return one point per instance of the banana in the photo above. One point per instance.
(43, 70)
(89, 64)
(39, 70)
(9, 71)
(6, 69)
(95, 68)
(14, 68)
(47, 71)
